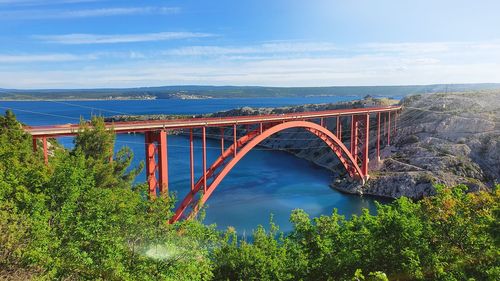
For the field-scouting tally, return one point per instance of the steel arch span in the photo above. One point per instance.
(257, 128)
(202, 191)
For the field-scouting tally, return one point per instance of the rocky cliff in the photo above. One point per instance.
(442, 138)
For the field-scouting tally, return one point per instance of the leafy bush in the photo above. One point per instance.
(81, 218)
(451, 236)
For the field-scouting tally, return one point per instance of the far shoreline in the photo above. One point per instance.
(211, 98)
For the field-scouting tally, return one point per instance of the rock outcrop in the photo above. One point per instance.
(442, 138)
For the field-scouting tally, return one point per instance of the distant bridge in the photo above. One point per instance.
(354, 156)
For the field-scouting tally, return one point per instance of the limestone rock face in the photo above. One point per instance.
(442, 138)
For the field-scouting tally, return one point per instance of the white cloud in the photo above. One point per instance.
(412, 47)
(118, 12)
(39, 58)
(430, 47)
(85, 13)
(266, 48)
(18, 59)
(44, 2)
(75, 39)
(284, 65)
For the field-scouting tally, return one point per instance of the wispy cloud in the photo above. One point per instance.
(88, 58)
(265, 48)
(43, 2)
(24, 58)
(76, 39)
(363, 64)
(408, 47)
(85, 13)
(426, 48)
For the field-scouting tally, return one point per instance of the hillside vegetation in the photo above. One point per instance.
(81, 218)
(194, 92)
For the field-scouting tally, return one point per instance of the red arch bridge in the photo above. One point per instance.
(353, 156)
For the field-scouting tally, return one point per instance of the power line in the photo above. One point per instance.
(208, 147)
(40, 113)
(88, 107)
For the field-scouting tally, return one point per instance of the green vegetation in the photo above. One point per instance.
(81, 218)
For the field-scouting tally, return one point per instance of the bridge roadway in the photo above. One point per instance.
(184, 123)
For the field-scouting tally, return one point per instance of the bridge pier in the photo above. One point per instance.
(385, 126)
(378, 136)
(354, 136)
(389, 128)
(366, 133)
(163, 161)
(45, 151)
(235, 141)
(35, 145)
(339, 130)
(222, 140)
(156, 162)
(204, 143)
(44, 147)
(191, 157)
(360, 135)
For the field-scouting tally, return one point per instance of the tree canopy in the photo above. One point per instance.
(82, 217)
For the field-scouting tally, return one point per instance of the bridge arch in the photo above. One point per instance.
(344, 155)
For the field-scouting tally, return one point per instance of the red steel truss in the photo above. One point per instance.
(354, 157)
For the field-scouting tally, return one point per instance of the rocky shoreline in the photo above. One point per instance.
(442, 139)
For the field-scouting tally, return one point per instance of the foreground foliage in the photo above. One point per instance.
(82, 218)
(452, 236)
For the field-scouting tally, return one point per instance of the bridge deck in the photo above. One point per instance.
(151, 125)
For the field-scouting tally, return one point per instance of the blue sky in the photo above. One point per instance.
(106, 43)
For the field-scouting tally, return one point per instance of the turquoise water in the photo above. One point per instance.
(263, 183)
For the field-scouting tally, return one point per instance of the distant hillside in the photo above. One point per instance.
(196, 92)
